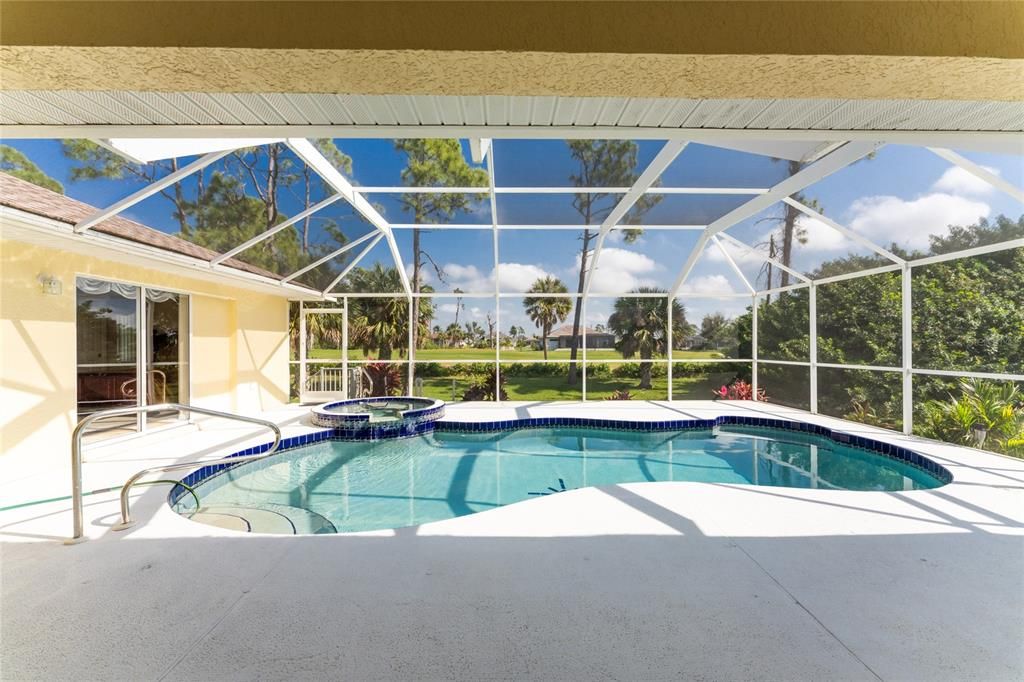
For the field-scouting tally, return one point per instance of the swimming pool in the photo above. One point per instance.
(345, 486)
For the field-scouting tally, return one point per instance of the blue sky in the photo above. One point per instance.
(902, 195)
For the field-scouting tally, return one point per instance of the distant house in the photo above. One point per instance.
(562, 338)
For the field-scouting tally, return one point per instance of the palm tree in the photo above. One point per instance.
(546, 312)
(453, 334)
(382, 324)
(640, 326)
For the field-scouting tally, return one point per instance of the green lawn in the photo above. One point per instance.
(556, 387)
(461, 354)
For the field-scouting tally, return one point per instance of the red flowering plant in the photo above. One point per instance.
(739, 390)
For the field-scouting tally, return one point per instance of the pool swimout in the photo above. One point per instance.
(347, 486)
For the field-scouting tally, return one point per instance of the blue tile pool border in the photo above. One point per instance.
(416, 428)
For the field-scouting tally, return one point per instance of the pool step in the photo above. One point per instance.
(277, 519)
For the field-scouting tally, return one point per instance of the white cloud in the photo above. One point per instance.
(514, 277)
(958, 181)
(887, 219)
(519, 276)
(708, 284)
(620, 270)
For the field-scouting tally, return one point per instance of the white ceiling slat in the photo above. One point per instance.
(332, 108)
(611, 111)
(227, 102)
(590, 109)
(212, 105)
(496, 110)
(23, 114)
(427, 110)
(404, 109)
(635, 110)
(543, 111)
(127, 108)
(190, 107)
(704, 112)
(565, 111)
(260, 107)
(1003, 116)
(519, 110)
(131, 101)
(102, 99)
(656, 113)
(473, 110)
(955, 114)
(308, 107)
(287, 107)
(745, 111)
(32, 100)
(80, 107)
(165, 107)
(357, 109)
(450, 109)
(681, 110)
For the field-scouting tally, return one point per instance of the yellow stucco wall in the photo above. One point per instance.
(239, 344)
(921, 49)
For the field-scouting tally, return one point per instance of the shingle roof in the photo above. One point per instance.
(566, 330)
(24, 196)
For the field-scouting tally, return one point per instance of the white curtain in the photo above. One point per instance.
(100, 286)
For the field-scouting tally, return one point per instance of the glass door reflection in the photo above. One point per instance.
(107, 355)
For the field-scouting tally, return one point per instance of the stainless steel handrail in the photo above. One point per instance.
(76, 456)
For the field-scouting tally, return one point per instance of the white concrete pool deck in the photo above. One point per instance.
(642, 581)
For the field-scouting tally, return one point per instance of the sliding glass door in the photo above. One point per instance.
(167, 350)
(132, 350)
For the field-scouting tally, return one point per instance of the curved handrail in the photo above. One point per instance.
(76, 456)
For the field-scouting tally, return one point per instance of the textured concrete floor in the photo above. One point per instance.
(640, 581)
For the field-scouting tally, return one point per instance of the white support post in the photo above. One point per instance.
(837, 160)
(344, 347)
(487, 153)
(583, 364)
(267, 234)
(908, 360)
(148, 191)
(813, 310)
(411, 352)
(979, 172)
(668, 341)
(753, 346)
(302, 349)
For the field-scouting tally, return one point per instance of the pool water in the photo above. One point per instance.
(379, 412)
(357, 486)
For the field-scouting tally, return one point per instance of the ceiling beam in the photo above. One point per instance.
(843, 230)
(767, 259)
(647, 179)
(837, 160)
(302, 215)
(330, 256)
(305, 150)
(732, 264)
(976, 140)
(148, 191)
(980, 172)
(355, 262)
